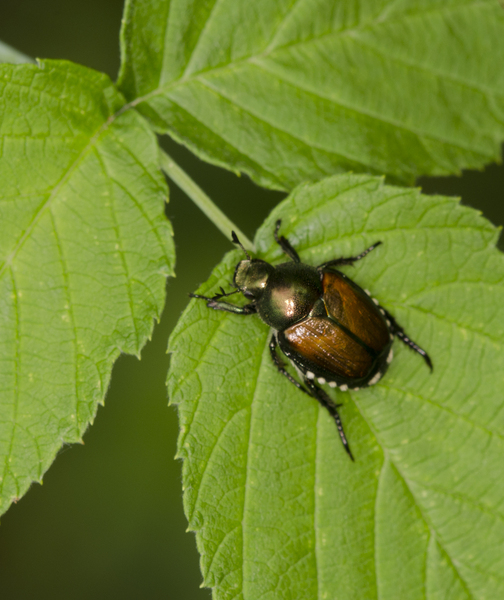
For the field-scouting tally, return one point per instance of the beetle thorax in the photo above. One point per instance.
(290, 293)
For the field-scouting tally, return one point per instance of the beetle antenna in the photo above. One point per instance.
(235, 239)
(223, 294)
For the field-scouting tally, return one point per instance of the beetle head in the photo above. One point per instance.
(251, 277)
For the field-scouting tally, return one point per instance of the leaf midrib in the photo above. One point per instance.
(377, 22)
(483, 335)
(359, 110)
(200, 76)
(41, 210)
(431, 528)
(269, 51)
(6, 468)
(442, 408)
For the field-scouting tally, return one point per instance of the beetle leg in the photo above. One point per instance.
(349, 260)
(397, 330)
(285, 244)
(248, 309)
(280, 365)
(315, 392)
(324, 399)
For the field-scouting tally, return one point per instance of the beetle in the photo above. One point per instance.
(332, 331)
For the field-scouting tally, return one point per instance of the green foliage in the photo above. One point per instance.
(84, 250)
(288, 92)
(278, 509)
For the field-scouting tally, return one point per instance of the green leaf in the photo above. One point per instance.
(84, 253)
(288, 92)
(278, 508)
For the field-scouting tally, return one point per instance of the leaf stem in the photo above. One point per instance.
(8, 54)
(202, 201)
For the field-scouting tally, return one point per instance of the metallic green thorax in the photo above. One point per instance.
(284, 294)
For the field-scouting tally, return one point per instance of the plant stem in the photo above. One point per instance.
(9, 54)
(202, 201)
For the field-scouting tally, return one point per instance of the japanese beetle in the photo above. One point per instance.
(330, 329)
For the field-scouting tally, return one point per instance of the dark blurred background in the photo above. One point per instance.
(108, 521)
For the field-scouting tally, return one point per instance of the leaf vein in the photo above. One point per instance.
(261, 118)
(352, 110)
(377, 22)
(430, 70)
(73, 324)
(453, 413)
(200, 37)
(385, 450)
(208, 460)
(40, 210)
(316, 505)
(483, 335)
(17, 361)
(247, 465)
(119, 244)
(457, 496)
